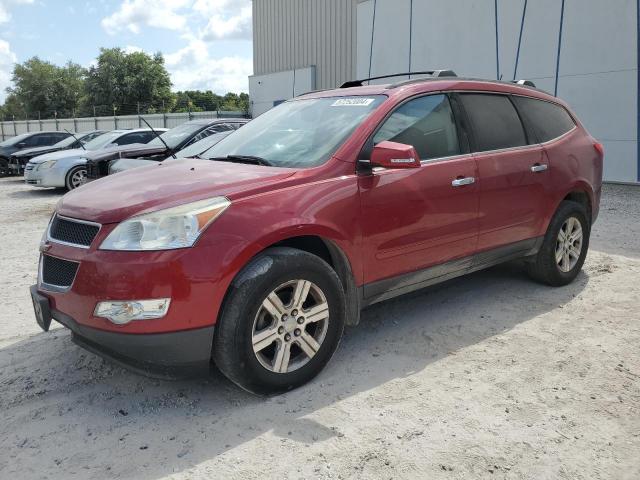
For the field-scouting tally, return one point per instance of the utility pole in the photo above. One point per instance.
(139, 121)
(95, 118)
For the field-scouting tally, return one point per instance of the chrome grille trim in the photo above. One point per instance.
(71, 220)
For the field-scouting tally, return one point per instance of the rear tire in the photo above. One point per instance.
(281, 322)
(75, 177)
(564, 248)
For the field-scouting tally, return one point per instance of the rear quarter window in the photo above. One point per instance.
(547, 119)
(495, 121)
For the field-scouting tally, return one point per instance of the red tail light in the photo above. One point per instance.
(599, 147)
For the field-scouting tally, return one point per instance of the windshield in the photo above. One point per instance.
(14, 140)
(202, 146)
(102, 141)
(177, 135)
(299, 133)
(66, 142)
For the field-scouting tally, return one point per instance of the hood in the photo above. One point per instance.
(73, 153)
(125, 151)
(163, 185)
(32, 152)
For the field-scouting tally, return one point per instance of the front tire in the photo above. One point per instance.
(75, 178)
(281, 322)
(564, 248)
(4, 167)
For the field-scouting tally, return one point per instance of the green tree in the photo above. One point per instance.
(123, 80)
(41, 88)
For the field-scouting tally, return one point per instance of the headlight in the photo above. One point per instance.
(176, 227)
(47, 164)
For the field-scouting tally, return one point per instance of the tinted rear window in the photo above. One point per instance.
(549, 120)
(495, 122)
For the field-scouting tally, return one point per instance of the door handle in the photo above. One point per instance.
(539, 167)
(460, 182)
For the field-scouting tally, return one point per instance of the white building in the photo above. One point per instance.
(585, 51)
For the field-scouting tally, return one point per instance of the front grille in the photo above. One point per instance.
(71, 231)
(58, 272)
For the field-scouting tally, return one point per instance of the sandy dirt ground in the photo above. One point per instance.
(487, 376)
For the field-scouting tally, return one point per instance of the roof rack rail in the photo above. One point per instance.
(526, 83)
(433, 73)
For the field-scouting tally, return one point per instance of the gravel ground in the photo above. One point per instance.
(487, 376)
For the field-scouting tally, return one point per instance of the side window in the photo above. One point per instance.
(33, 141)
(130, 138)
(426, 123)
(146, 137)
(58, 137)
(549, 120)
(494, 120)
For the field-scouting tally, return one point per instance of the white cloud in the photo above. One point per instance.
(132, 49)
(7, 60)
(201, 23)
(5, 8)
(193, 68)
(133, 14)
(226, 18)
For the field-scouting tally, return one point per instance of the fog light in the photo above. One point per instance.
(122, 312)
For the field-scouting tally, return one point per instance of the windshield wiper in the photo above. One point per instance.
(251, 159)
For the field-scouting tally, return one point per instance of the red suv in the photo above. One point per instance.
(326, 204)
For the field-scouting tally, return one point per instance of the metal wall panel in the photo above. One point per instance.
(295, 34)
(594, 63)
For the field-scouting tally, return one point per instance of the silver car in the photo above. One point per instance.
(66, 169)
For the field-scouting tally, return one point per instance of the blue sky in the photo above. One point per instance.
(206, 43)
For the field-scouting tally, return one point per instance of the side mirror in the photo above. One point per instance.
(394, 155)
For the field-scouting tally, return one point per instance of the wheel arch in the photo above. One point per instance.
(323, 247)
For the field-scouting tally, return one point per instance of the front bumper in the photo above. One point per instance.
(160, 355)
(50, 177)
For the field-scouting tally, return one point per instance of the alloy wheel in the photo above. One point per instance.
(290, 326)
(77, 178)
(569, 244)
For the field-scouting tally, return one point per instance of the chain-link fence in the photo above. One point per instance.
(12, 128)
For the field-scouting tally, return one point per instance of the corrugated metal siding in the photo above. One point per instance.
(289, 34)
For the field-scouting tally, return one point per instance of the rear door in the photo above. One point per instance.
(513, 170)
(413, 219)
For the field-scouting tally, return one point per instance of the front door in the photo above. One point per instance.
(417, 219)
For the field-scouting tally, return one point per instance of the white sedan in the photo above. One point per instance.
(66, 169)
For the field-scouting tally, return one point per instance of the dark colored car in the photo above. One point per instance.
(19, 160)
(175, 139)
(23, 141)
(325, 204)
(194, 150)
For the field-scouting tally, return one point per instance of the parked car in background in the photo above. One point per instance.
(25, 140)
(195, 150)
(67, 168)
(175, 139)
(19, 160)
(325, 204)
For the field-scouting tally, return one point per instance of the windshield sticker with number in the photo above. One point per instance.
(352, 102)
